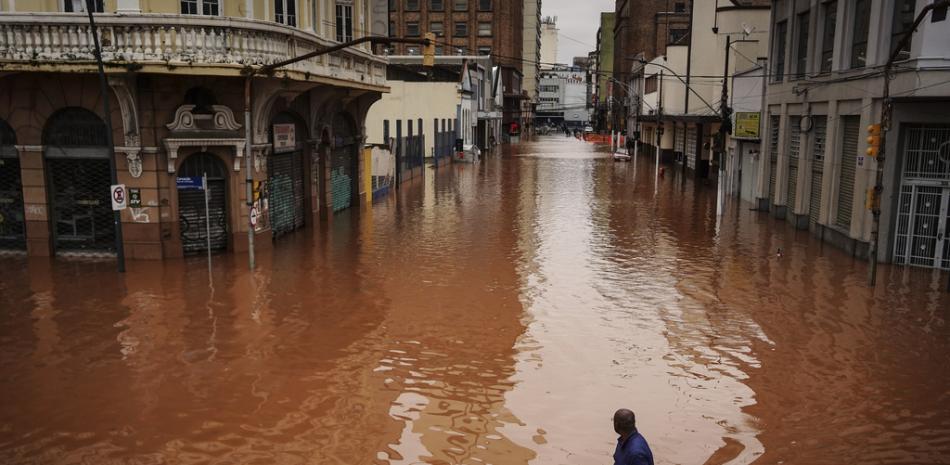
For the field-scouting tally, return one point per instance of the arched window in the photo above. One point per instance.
(75, 133)
(7, 140)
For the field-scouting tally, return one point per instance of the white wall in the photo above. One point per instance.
(548, 44)
(412, 101)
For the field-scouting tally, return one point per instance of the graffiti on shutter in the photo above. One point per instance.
(285, 188)
(851, 128)
(817, 167)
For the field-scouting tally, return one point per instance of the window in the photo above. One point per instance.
(828, 36)
(650, 84)
(904, 11)
(484, 5)
(859, 38)
(436, 5)
(344, 21)
(79, 6)
(393, 6)
(285, 12)
(460, 5)
(484, 29)
(676, 35)
(412, 5)
(412, 29)
(437, 28)
(439, 50)
(461, 29)
(781, 31)
(412, 50)
(392, 29)
(484, 50)
(801, 53)
(679, 7)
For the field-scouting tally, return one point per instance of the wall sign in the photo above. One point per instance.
(747, 125)
(285, 139)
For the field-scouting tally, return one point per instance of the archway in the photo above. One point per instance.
(78, 178)
(12, 221)
(192, 216)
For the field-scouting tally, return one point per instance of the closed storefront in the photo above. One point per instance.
(344, 159)
(794, 149)
(817, 167)
(774, 123)
(203, 225)
(12, 224)
(285, 183)
(78, 176)
(850, 130)
(923, 218)
(691, 146)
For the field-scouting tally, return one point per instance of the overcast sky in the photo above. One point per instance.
(578, 21)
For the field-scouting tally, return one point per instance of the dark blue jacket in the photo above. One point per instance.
(633, 451)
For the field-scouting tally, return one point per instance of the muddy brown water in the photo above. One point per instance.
(490, 314)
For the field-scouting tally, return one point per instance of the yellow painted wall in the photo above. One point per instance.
(367, 175)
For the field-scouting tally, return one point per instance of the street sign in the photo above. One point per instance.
(747, 125)
(119, 197)
(135, 197)
(189, 183)
(254, 216)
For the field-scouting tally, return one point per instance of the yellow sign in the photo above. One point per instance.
(747, 125)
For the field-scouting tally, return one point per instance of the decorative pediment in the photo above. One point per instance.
(221, 118)
(172, 147)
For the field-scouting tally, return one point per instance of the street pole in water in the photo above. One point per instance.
(248, 175)
(104, 90)
(723, 130)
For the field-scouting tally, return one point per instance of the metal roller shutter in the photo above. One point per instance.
(794, 149)
(817, 167)
(286, 192)
(81, 208)
(773, 155)
(191, 218)
(680, 139)
(691, 147)
(342, 177)
(12, 224)
(851, 127)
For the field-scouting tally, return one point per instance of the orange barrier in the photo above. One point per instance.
(602, 139)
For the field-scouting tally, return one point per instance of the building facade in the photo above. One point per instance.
(603, 70)
(563, 98)
(642, 29)
(549, 42)
(176, 89)
(472, 27)
(826, 87)
(532, 49)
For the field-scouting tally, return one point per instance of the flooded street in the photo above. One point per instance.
(489, 314)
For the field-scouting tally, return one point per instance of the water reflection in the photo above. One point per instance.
(496, 313)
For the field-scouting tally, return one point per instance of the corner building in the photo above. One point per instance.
(176, 91)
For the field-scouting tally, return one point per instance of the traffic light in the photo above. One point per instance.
(428, 51)
(874, 140)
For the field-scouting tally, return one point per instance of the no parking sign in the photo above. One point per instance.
(119, 197)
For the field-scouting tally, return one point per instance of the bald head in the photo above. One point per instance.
(625, 422)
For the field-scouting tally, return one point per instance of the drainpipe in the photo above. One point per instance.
(249, 176)
(689, 57)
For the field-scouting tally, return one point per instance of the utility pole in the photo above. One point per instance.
(104, 90)
(725, 128)
(877, 143)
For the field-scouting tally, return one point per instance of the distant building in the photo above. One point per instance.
(549, 40)
(603, 72)
(532, 50)
(581, 62)
(471, 27)
(563, 97)
(459, 96)
(644, 28)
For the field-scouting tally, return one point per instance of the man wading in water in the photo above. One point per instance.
(632, 448)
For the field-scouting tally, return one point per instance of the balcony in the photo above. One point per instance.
(158, 43)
